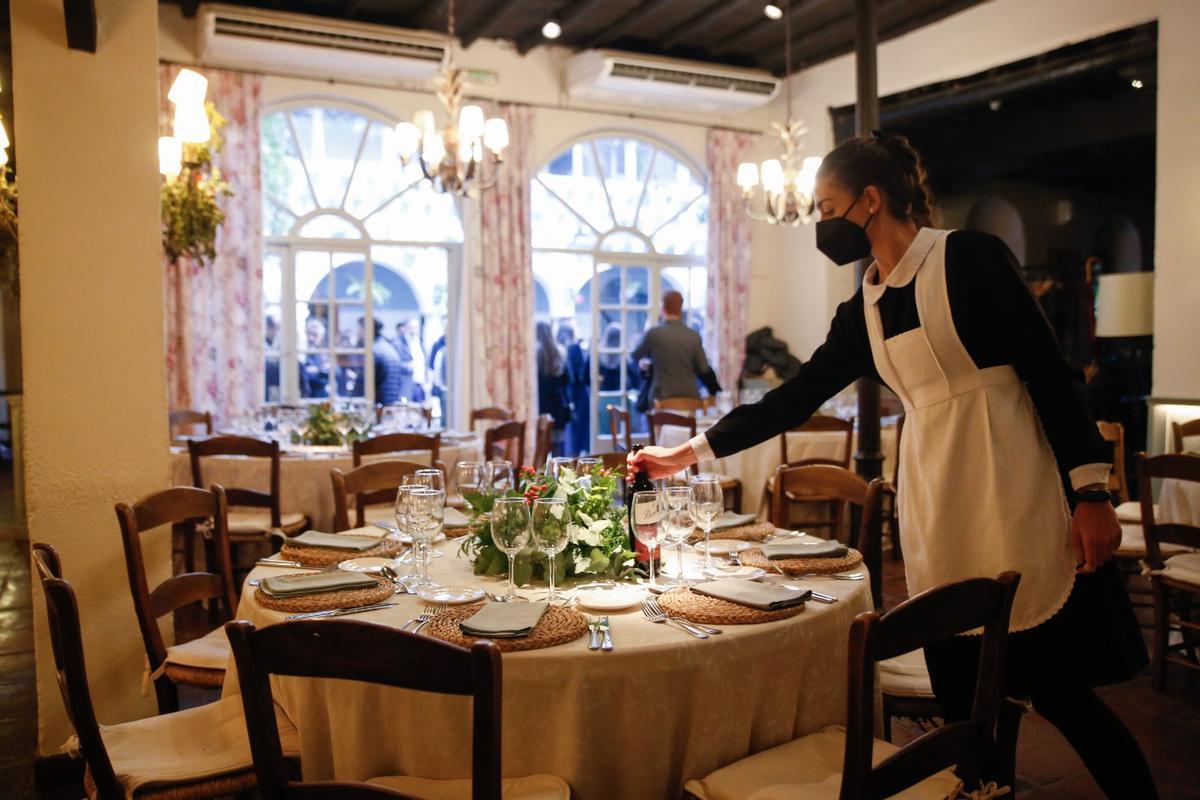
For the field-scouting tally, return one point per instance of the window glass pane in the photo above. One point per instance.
(582, 189)
(669, 189)
(329, 140)
(272, 277)
(277, 221)
(418, 215)
(330, 226)
(637, 286)
(379, 176)
(272, 340)
(312, 326)
(625, 163)
(347, 328)
(608, 282)
(554, 225)
(283, 173)
(624, 242)
(636, 323)
(687, 234)
(312, 272)
(564, 281)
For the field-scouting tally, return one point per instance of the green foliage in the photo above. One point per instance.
(191, 214)
(321, 427)
(10, 282)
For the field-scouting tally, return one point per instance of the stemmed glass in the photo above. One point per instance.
(403, 505)
(707, 504)
(585, 466)
(468, 477)
(426, 507)
(510, 534)
(550, 533)
(436, 480)
(680, 524)
(498, 477)
(648, 524)
(344, 424)
(558, 464)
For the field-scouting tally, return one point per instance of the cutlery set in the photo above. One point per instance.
(601, 634)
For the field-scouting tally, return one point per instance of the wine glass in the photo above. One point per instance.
(431, 479)
(344, 424)
(403, 505)
(510, 534)
(558, 464)
(550, 533)
(681, 478)
(585, 466)
(498, 477)
(425, 511)
(707, 504)
(647, 524)
(680, 523)
(468, 477)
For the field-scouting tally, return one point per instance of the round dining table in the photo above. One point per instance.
(635, 723)
(1179, 502)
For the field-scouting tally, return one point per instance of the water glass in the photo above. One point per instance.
(425, 514)
(430, 479)
(679, 524)
(558, 464)
(510, 534)
(707, 504)
(550, 533)
(468, 477)
(648, 515)
(585, 466)
(498, 477)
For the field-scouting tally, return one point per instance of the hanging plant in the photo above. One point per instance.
(10, 283)
(191, 214)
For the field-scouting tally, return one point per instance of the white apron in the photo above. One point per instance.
(979, 488)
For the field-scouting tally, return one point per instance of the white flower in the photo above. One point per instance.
(561, 491)
(598, 527)
(582, 563)
(585, 519)
(557, 510)
(575, 531)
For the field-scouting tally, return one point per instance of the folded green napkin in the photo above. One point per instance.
(749, 593)
(504, 620)
(298, 585)
(777, 550)
(336, 541)
(455, 518)
(728, 519)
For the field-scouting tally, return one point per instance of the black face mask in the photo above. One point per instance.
(842, 240)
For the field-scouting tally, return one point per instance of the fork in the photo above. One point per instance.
(425, 617)
(661, 617)
(653, 601)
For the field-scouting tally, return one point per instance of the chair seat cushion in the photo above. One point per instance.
(1133, 543)
(210, 651)
(809, 768)
(203, 742)
(1184, 567)
(905, 676)
(1131, 511)
(258, 522)
(535, 787)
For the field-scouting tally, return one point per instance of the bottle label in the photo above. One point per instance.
(646, 515)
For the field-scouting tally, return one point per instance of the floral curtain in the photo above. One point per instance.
(498, 297)
(728, 254)
(214, 336)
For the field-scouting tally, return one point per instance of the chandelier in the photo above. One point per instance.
(786, 183)
(451, 158)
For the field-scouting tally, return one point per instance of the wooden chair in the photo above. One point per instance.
(731, 488)
(188, 419)
(1114, 434)
(543, 443)
(1174, 580)
(364, 651)
(1181, 430)
(406, 443)
(507, 441)
(688, 405)
(891, 513)
(619, 428)
(817, 424)
(374, 488)
(493, 415)
(870, 769)
(200, 662)
(145, 749)
(256, 525)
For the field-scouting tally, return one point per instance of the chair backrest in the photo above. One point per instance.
(821, 424)
(509, 437)
(543, 442)
(397, 443)
(178, 509)
(657, 419)
(247, 447)
(1181, 430)
(931, 616)
(1114, 434)
(370, 484)
(619, 429)
(688, 405)
(186, 418)
(1181, 468)
(363, 651)
(66, 641)
(490, 414)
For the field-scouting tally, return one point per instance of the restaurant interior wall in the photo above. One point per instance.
(91, 328)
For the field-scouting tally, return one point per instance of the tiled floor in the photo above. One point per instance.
(1167, 725)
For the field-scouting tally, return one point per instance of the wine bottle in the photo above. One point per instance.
(639, 481)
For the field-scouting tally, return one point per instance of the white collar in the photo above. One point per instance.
(905, 270)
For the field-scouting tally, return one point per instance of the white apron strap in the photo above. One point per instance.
(879, 351)
(933, 306)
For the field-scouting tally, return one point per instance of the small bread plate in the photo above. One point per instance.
(746, 573)
(372, 564)
(723, 547)
(609, 597)
(454, 595)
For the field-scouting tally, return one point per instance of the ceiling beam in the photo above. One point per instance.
(189, 8)
(575, 11)
(483, 24)
(704, 19)
(432, 16)
(80, 19)
(642, 13)
(763, 27)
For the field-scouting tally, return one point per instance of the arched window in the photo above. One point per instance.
(341, 214)
(618, 219)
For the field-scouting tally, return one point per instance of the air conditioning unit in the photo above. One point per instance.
(614, 77)
(314, 47)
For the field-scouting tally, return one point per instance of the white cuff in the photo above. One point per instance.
(700, 447)
(1089, 474)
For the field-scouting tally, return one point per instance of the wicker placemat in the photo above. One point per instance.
(754, 532)
(557, 626)
(754, 557)
(697, 607)
(324, 601)
(327, 556)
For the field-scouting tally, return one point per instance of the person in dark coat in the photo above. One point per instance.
(552, 382)
(579, 386)
(387, 368)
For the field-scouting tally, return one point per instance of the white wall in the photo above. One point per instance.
(91, 326)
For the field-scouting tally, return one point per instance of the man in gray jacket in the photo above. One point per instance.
(676, 354)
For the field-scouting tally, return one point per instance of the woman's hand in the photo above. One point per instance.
(1095, 535)
(661, 462)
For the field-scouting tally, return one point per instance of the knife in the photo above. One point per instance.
(594, 630)
(608, 642)
(338, 612)
(824, 598)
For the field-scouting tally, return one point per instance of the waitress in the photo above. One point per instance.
(998, 446)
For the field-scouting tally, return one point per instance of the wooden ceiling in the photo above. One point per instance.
(733, 32)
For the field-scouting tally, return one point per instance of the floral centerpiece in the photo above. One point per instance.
(321, 427)
(598, 543)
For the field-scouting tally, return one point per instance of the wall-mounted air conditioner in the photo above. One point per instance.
(313, 47)
(614, 77)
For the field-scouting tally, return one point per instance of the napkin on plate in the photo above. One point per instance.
(299, 585)
(335, 541)
(777, 550)
(504, 620)
(455, 518)
(749, 593)
(728, 519)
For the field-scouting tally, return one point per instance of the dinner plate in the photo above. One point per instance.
(747, 573)
(369, 564)
(454, 595)
(723, 547)
(610, 598)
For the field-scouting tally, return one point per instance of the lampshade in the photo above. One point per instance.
(747, 175)
(424, 121)
(772, 175)
(435, 149)
(495, 134)
(470, 122)
(407, 137)
(170, 155)
(189, 88)
(3, 135)
(191, 123)
(1125, 305)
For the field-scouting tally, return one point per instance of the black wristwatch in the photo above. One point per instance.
(1093, 496)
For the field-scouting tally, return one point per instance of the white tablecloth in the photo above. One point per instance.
(304, 480)
(1179, 502)
(633, 724)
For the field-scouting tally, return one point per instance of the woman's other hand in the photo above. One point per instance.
(661, 462)
(1095, 535)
